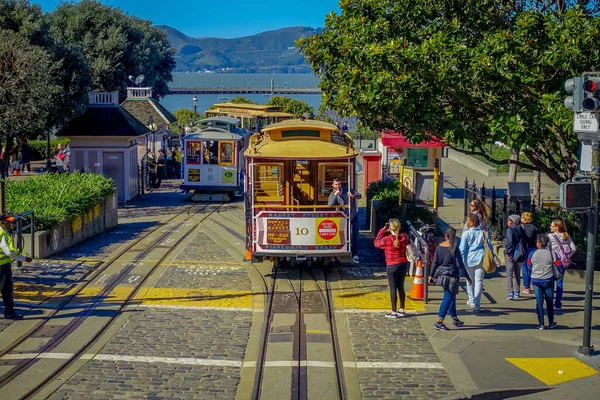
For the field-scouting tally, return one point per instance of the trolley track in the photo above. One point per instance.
(311, 295)
(179, 221)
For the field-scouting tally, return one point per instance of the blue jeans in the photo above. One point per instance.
(526, 272)
(544, 292)
(448, 305)
(559, 291)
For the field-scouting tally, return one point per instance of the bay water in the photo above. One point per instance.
(225, 80)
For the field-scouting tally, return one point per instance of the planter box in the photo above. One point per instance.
(75, 229)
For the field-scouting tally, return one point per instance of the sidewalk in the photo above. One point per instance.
(500, 353)
(502, 348)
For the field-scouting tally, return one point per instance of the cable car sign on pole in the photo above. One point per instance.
(585, 122)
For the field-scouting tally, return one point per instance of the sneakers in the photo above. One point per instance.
(516, 296)
(557, 308)
(391, 315)
(15, 316)
(510, 296)
(526, 291)
(541, 327)
(440, 326)
(355, 260)
(458, 323)
(400, 314)
(552, 325)
(470, 304)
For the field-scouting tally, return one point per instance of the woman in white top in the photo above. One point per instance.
(563, 246)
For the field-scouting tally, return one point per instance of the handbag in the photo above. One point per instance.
(411, 252)
(558, 273)
(489, 264)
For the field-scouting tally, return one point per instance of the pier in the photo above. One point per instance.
(245, 90)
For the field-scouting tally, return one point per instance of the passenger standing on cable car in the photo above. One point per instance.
(339, 197)
(177, 156)
(161, 170)
(8, 254)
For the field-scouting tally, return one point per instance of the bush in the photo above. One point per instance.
(502, 153)
(40, 147)
(56, 197)
(387, 192)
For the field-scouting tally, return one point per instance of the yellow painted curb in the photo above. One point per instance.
(199, 297)
(553, 371)
(371, 301)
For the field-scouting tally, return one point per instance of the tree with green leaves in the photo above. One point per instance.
(242, 100)
(185, 116)
(292, 106)
(115, 45)
(27, 88)
(475, 71)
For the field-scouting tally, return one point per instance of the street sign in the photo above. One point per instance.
(585, 122)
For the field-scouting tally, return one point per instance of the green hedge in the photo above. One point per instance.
(40, 147)
(502, 153)
(387, 193)
(56, 197)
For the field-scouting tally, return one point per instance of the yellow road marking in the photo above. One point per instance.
(371, 301)
(199, 297)
(553, 371)
(316, 331)
(35, 293)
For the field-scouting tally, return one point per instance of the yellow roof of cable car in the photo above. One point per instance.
(301, 139)
(299, 124)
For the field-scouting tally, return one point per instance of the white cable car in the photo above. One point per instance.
(213, 162)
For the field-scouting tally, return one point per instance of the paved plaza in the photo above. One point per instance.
(192, 332)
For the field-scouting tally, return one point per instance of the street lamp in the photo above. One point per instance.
(195, 103)
(152, 127)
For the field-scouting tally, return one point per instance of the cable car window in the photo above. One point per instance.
(268, 182)
(210, 152)
(226, 153)
(193, 151)
(327, 172)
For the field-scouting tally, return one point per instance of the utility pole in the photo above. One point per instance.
(585, 102)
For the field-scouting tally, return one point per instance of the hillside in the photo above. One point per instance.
(266, 51)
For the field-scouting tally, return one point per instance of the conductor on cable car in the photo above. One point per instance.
(340, 197)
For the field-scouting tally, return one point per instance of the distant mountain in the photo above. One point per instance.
(263, 52)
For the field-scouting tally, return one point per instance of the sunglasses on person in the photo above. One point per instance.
(473, 205)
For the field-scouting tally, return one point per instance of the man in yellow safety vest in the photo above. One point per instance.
(8, 254)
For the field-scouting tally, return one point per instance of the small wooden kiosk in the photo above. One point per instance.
(104, 140)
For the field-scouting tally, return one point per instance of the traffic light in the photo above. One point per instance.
(574, 87)
(591, 93)
(576, 195)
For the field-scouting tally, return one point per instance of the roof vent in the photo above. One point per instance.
(102, 99)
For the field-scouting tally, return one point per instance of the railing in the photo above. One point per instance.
(23, 225)
(103, 98)
(422, 248)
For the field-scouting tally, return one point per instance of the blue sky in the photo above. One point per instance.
(232, 18)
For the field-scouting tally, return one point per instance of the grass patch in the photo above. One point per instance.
(56, 197)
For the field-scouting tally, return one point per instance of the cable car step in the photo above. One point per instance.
(211, 197)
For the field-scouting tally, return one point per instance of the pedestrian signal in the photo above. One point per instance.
(576, 195)
(591, 93)
(574, 87)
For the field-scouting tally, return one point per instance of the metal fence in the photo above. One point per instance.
(499, 206)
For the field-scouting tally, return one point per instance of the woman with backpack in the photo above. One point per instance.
(446, 271)
(472, 250)
(530, 244)
(394, 242)
(560, 242)
(514, 255)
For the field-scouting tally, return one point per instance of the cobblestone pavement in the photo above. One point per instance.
(198, 309)
(378, 339)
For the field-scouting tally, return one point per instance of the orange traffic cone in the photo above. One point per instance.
(248, 256)
(418, 289)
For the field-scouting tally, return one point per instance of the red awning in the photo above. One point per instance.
(396, 139)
